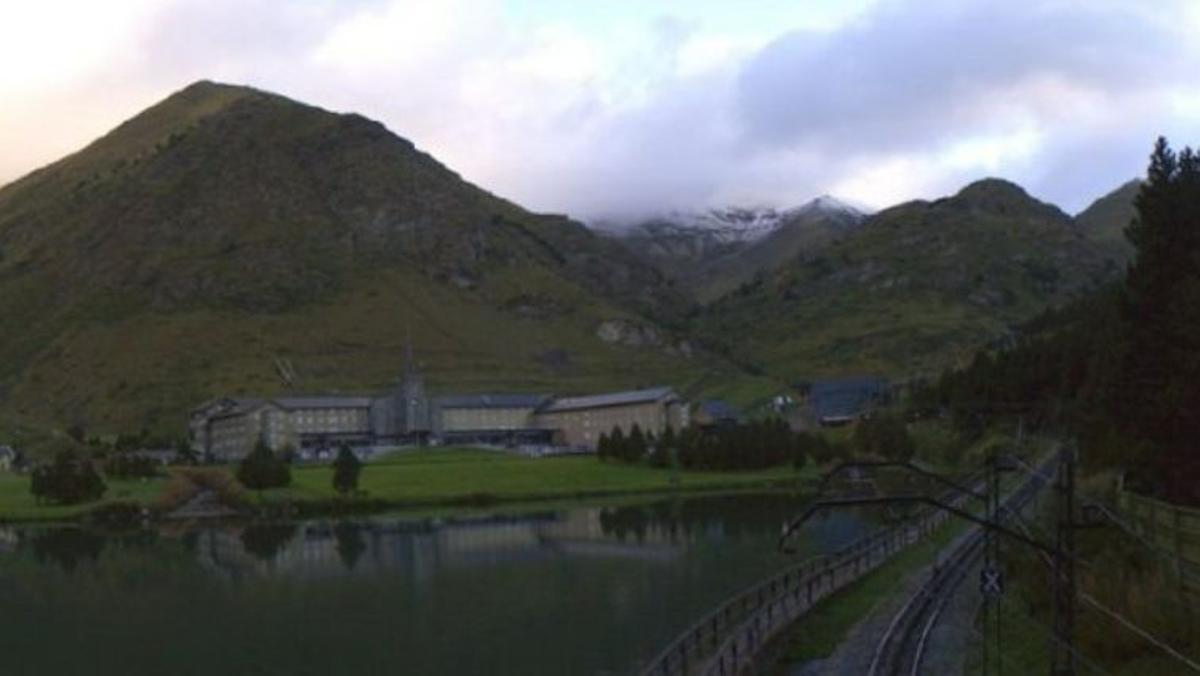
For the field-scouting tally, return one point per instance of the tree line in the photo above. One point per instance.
(262, 469)
(754, 445)
(1119, 369)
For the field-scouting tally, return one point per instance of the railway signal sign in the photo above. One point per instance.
(991, 582)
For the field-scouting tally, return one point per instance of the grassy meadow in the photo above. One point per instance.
(463, 475)
(443, 477)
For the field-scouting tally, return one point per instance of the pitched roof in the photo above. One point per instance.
(845, 397)
(323, 402)
(719, 409)
(611, 399)
(491, 401)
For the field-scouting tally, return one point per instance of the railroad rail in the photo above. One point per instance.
(726, 640)
(903, 645)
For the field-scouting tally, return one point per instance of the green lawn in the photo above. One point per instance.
(449, 476)
(454, 475)
(16, 503)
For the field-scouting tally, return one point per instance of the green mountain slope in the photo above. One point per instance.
(912, 289)
(227, 237)
(802, 235)
(1105, 220)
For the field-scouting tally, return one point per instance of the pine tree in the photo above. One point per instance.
(1158, 395)
(635, 445)
(346, 468)
(666, 448)
(261, 469)
(617, 443)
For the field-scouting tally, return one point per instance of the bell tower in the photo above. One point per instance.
(412, 405)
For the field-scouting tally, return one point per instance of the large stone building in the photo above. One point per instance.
(579, 421)
(229, 428)
(507, 419)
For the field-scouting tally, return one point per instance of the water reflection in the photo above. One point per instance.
(66, 547)
(589, 590)
(350, 542)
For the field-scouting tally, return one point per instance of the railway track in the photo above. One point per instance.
(904, 644)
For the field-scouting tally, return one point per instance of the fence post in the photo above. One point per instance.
(1178, 542)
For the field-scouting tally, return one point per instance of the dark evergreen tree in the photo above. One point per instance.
(261, 469)
(68, 480)
(665, 449)
(635, 445)
(346, 468)
(1159, 398)
(617, 443)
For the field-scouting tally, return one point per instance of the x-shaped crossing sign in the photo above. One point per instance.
(991, 582)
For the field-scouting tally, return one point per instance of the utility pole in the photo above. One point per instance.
(1063, 650)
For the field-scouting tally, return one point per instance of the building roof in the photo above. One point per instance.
(719, 409)
(626, 398)
(233, 406)
(491, 401)
(845, 398)
(333, 401)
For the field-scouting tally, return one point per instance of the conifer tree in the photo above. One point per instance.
(617, 443)
(346, 468)
(635, 445)
(1158, 393)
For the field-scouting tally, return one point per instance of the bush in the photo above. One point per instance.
(262, 469)
(187, 482)
(884, 435)
(346, 468)
(68, 481)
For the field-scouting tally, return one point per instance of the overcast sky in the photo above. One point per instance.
(619, 107)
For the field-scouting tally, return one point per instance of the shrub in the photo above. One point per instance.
(262, 469)
(68, 480)
(346, 468)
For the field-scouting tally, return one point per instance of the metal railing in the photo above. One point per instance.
(736, 628)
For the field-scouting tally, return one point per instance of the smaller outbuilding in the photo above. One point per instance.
(716, 413)
(842, 401)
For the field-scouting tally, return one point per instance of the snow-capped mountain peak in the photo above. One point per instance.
(831, 204)
(732, 225)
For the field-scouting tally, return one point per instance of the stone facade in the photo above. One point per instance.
(227, 429)
(581, 420)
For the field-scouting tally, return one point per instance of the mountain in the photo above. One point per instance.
(910, 289)
(803, 233)
(229, 240)
(708, 253)
(1105, 220)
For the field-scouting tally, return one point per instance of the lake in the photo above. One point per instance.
(588, 590)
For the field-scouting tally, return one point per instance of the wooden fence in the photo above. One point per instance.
(723, 641)
(726, 641)
(1174, 531)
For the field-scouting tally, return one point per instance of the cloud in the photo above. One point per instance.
(647, 108)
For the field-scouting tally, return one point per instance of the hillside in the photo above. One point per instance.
(227, 235)
(912, 289)
(1105, 220)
